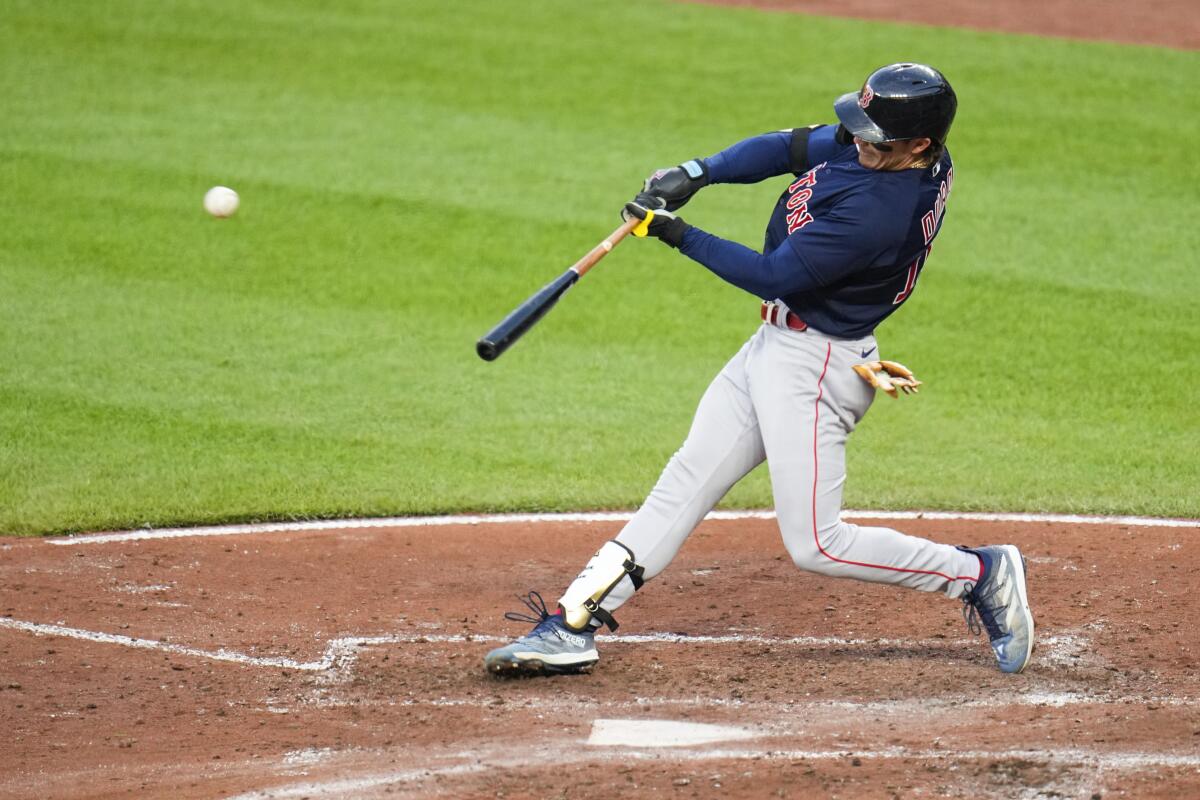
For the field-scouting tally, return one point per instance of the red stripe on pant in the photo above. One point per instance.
(816, 475)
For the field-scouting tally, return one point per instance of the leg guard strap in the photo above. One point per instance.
(603, 616)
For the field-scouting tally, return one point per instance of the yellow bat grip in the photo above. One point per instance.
(642, 228)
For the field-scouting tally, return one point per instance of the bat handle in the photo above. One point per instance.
(605, 247)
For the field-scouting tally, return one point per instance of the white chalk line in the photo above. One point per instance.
(1067, 757)
(42, 629)
(799, 708)
(614, 516)
(341, 653)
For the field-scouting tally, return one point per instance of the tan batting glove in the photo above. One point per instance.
(889, 376)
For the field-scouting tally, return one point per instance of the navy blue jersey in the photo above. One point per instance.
(845, 244)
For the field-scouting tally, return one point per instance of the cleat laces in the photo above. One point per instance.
(534, 602)
(976, 609)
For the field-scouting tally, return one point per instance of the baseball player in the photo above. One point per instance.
(844, 248)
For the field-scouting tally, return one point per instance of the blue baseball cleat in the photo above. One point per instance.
(551, 648)
(1000, 602)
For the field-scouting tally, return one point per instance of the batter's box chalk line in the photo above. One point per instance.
(341, 653)
(601, 516)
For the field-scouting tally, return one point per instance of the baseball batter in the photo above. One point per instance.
(844, 248)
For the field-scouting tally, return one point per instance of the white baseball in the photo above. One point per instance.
(221, 201)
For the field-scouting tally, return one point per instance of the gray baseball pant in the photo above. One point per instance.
(791, 398)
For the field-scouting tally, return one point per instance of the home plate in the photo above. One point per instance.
(661, 733)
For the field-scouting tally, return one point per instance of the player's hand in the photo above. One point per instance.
(676, 185)
(888, 376)
(662, 224)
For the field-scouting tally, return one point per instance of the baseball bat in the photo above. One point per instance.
(493, 343)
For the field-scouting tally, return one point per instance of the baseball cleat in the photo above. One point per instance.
(1000, 602)
(551, 648)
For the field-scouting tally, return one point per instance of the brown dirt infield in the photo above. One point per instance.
(1171, 23)
(846, 689)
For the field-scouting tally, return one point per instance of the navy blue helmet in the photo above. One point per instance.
(899, 101)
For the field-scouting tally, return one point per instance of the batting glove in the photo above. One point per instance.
(676, 185)
(888, 376)
(657, 221)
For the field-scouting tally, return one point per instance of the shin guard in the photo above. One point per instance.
(581, 602)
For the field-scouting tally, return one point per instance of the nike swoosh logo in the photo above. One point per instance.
(866, 353)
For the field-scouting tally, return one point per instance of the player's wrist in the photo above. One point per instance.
(673, 231)
(697, 173)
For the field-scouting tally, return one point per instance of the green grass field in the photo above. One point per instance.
(409, 171)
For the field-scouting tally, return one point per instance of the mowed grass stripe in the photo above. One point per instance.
(411, 171)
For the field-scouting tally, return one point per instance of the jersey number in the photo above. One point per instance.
(929, 227)
(914, 270)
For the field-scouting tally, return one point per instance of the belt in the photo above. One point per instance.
(775, 314)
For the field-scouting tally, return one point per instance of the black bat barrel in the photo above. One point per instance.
(513, 327)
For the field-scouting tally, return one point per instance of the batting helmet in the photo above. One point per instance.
(899, 101)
